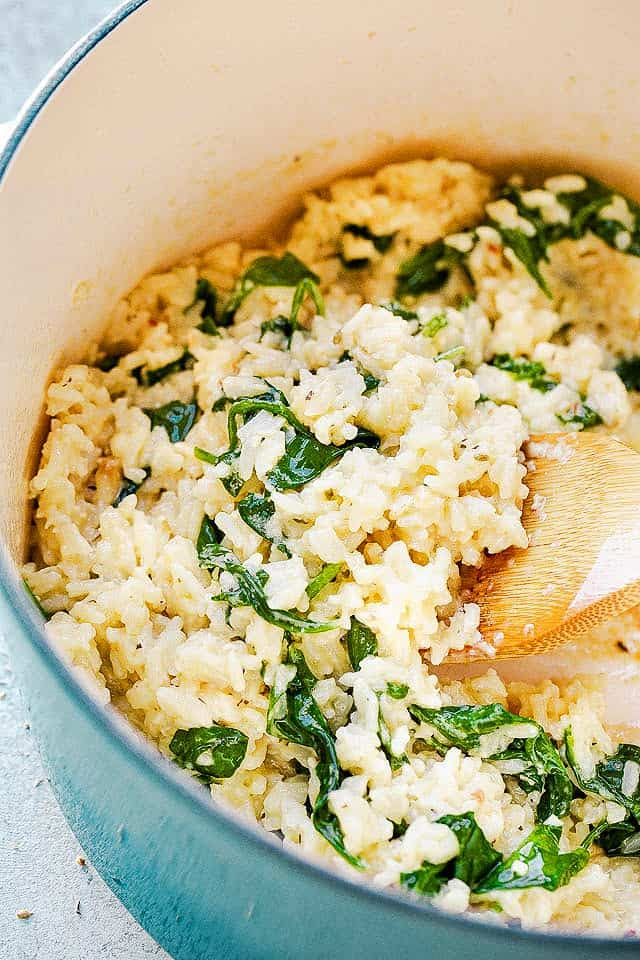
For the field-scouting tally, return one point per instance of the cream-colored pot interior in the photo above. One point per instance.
(197, 121)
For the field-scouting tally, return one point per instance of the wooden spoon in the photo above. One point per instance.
(582, 566)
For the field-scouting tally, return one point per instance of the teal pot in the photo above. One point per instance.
(175, 125)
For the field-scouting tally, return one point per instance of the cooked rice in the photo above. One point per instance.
(132, 609)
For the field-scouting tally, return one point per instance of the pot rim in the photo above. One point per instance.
(115, 726)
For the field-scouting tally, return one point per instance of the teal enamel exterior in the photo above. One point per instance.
(205, 886)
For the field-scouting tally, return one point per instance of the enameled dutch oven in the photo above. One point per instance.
(175, 125)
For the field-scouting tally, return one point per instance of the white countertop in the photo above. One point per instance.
(74, 914)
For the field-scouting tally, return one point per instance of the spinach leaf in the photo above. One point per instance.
(287, 326)
(395, 760)
(306, 287)
(475, 860)
(249, 590)
(582, 414)
(280, 324)
(397, 691)
(537, 862)
(399, 829)
(328, 573)
(295, 716)
(427, 879)
(212, 753)
(522, 369)
(477, 857)
(258, 510)
(221, 404)
(371, 382)
(128, 487)
(434, 325)
(428, 270)
(463, 726)
(537, 766)
(530, 250)
(268, 271)
(305, 458)
(615, 778)
(361, 642)
(176, 417)
(628, 369)
(621, 839)
(533, 761)
(206, 294)
(107, 363)
(232, 482)
(36, 602)
(147, 378)
(381, 243)
(585, 208)
(400, 311)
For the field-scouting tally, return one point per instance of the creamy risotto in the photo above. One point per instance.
(256, 496)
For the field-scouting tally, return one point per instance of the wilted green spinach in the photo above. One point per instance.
(212, 753)
(295, 716)
(249, 589)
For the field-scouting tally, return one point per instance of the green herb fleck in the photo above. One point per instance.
(453, 355)
(585, 208)
(434, 325)
(371, 382)
(582, 414)
(608, 778)
(530, 249)
(399, 829)
(395, 760)
(279, 324)
(621, 839)
(397, 691)
(326, 576)
(400, 311)
(522, 369)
